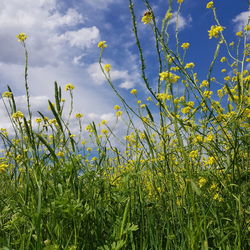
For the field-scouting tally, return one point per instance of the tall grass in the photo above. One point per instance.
(180, 181)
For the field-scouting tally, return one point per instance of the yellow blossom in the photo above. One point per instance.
(202, 182)
(172, 78)
(189, 65)
(133, 91)
(17, 115)
(193, 154)
(78, 115)
(7, 94)
(204, 83)
(180, 1)
(107, 67)
(210, 5)
(69, 86)
(185, 110)
(117, 107)
(102, 45)
(168, 15)
(214, 31)
(21, 37)
(247, 27)
(207, 93)
(147, 17)
(185, 45)
(240, 33)
(118, 113)
(60, 154)
(39, 120)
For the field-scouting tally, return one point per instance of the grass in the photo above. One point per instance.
(181, 181)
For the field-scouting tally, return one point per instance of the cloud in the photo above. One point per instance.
(100, 4)
(182, 21)
(241, 20)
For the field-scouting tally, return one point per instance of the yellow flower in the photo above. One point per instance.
(210, 5)
(204, 83)
(107, 67)
(214, 31)
(104, 131)
(163, 96)
(240, 33)
(231, 44)
(180, 1)
(117, 107)
(185, 45)
(119, 113)
(207, 93)
(149, 99)
(21, 37)
(89, 149)
(186, 110)
(78, 115)
(39, 120)
(168, 15)
(60, 154)
(147, 17)
(210, 161)
(17, 115)
(7, 94)
(102, 45)
(69, 86)
(133, 91)
(227, 78)
(247, 27)
(202, 182)
(189, 65)
(209, 138)
(193, 154)
(172, 78)
(103, 122)
(223, 70)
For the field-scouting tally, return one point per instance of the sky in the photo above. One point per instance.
(62, 45)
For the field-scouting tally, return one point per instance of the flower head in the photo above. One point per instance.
(21, 37)
(214, 31)
(102, 45)
(168, 76)
(210, 5)
(189, 65)
(17, 115)
(107, 67)
(147, 17)
(69, 86)
(7, 94)
(185, 45)
(78, 115)
(133, 91)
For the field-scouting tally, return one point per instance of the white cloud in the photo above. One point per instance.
(241, 20)
(83, 38)
(182, 21)
(100, 4)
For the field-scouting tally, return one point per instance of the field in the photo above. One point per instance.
(179, 178)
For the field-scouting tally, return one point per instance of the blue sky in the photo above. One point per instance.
(62, 44)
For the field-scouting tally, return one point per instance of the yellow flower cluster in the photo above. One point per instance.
(78, 115)
(168, 76)
(107, 67)
(7, 94)
(133, 91)
(21, 37)
(102, 45)
(210, 5)
(189, 65)
(185, 45)
(147, 17)
(214, 31)
(17, 115)
(69, 86)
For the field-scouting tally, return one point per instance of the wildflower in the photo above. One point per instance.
(168, 15)
(210, 160)
(189, 65)
(190, 104)
(89, 149)
(117, 107)
(227, 78)
(69, 86)
(185, 45)
(107, 67)
(7, 94)
(163, 96)
(60, 154)
(231, 44)
(207, 93)
(78, 115)
(204, 83)
(247, 27)
(83, 142)
(213, 186)
(21, 37)
(172, 78)
(210, 5)
(185, 110)
(215, 31)
(89, 128)
(149, 98)
(133, 91)
(38, 120)
(104, 131)
(3, 167)
(223, 70)
(118, 113)
(147, 17)
(180, 1)
(102, 45)
(62, 100)
(143, 106)
(139, 102)
(103, 122)
(193, 154)
(209, 138)
(17, 115)
(220, 92)
(240, 33)
(202, 182)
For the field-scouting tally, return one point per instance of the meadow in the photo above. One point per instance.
(181, 180)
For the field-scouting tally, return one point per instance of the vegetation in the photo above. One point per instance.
(178, 181)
